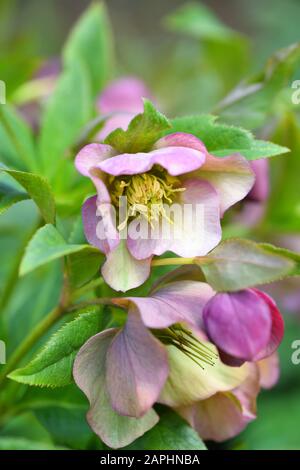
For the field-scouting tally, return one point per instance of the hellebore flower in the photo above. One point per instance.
(122, 99)
(123, 372)
(178, 173)
(244, 325)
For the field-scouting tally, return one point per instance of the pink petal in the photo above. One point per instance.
(277, 329)
(137, 368)
(181, 139)
(231, 176)
(239, 323)
(260, 190)
(178, 302)
(89, 374)
(269, 371)
(91, 155)
(124, 94)
(122, 271)
(176, 160)
(98, 223)
(201, 228)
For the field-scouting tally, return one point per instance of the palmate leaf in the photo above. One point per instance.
(222, 140)
(52, 367)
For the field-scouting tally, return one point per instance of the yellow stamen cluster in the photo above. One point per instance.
(146, 193)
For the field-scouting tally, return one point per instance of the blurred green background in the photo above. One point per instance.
(188, 72)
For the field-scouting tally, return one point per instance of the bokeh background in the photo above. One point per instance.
(187, 73)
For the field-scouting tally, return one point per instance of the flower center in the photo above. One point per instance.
(146, 193)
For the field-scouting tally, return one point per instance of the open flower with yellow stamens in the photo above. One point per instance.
(174, 197)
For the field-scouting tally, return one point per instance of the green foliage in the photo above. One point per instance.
(38, 189)
(198, 21)
(250, 103)
(52, 367)
(67, 111)
(222, 140)
(10, 196)
(91, 42)
(171, 433)
(17, 144)
(143, 131)
(237, 264)
(47, 245)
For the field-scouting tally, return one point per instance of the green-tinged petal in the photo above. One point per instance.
(89, 374)
(188, 382)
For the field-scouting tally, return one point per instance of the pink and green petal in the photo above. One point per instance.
(225, 414)
(99, 222)
(231, 176)
(91, 155)
(89, 374)
(181, 139)
(188, 382)
(176, 160)
(179, 302)
(137, 368)
(269, 371)
(201, 228)
(123, 94)
(122, 271)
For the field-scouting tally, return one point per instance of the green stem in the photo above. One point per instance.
(31, 339)
(180, 261)
(90, 286)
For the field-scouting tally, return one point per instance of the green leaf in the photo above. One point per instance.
(10, 196)
(91, 42)
(252, 102)
(198, 21)
(38, 189)
(288, 254)
(237, 264)
(143, 131)
(67, 111)
(171, 433)
(17, 145)
(52, 367)
(283, 209)
(222, 140)
(83, 265)
(46, 245)
(20, 443)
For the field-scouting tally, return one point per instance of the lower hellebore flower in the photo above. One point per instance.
(178, 173)
(160, 355)
(244, 325)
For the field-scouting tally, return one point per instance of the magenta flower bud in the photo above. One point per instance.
(245, 325)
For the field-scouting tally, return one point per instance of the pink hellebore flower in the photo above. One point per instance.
(177, 171)
(123, 372)
(245, 325)
(123, 100)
